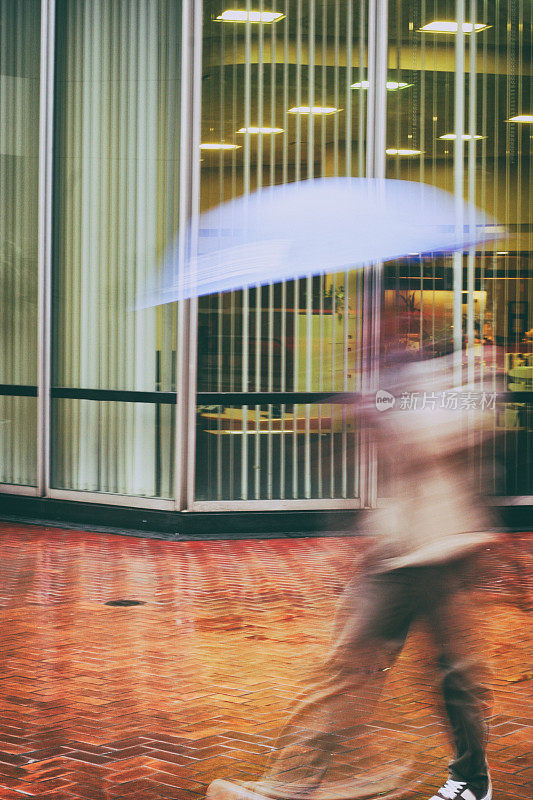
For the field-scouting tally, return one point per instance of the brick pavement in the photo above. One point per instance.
(154, 701)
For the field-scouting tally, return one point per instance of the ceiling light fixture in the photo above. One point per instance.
(234, 15)
(521, 118)
(314, 110)
(395, 151)
(259, 129)
(392, 86)
(449, 26)
(218, 146)
(466, 136)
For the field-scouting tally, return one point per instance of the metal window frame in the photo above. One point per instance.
(46, 132)
(376, 133)
(44, 213)
(189, 201)
(375, 167)
(186, 395)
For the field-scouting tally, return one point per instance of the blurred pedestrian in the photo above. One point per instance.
(419, 567)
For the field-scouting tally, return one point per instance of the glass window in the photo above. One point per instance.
(279, 105)
(20, 32)
(115, 213)
(493, 163)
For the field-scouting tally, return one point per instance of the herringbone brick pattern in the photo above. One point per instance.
(154, 701)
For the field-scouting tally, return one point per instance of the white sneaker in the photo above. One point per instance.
(460, 790)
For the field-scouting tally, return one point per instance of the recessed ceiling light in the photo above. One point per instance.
(234, 15)
(521, 118)
(314, 110)
(449, 26)
(466, 136)
(259, 129)
(395, 151)
(392, 86)
(218, 146)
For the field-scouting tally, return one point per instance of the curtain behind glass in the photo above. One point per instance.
(115, 212)
(19, 177)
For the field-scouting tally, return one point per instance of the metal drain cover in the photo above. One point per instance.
(125, 603)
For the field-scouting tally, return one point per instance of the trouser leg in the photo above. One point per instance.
(462, 673)
(370, 629)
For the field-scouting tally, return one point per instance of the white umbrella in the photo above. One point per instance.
(320, 225)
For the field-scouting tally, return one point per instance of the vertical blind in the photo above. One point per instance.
(19, 179)
(460, 117)
(278, 106)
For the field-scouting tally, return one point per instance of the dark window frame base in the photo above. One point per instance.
(184, 525)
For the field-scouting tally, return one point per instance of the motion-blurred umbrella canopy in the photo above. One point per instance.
(326, 224)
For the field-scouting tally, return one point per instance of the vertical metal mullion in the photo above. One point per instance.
(283, 387)
(375, 168)
(297, 149)
(285, 161)
(510, 133)
(458, 181)
(471, 191)
(333, 387)
(283, 360)
(348, 89)
(361, 94)
(324, 75)
(46, 132)
(309, 279)
(321, 278)
(320, 379)
(336, 34)
(270, 377)
(421, 127)
(483, 189)
(377, 79)
(348, 173)
(311, 90)
(220, 297)
(245, 292)
(189, 194)
(258, 291)
(297, 176)
(270, 388)
(336, 57)
(232, 308)
(496, 145)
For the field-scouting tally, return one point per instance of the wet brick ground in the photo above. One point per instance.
(156, 700)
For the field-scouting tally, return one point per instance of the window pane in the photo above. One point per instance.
(115, 456)
(116, 212)
(260, 82)
(282, 451)
(19, 189)
(494, 284)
